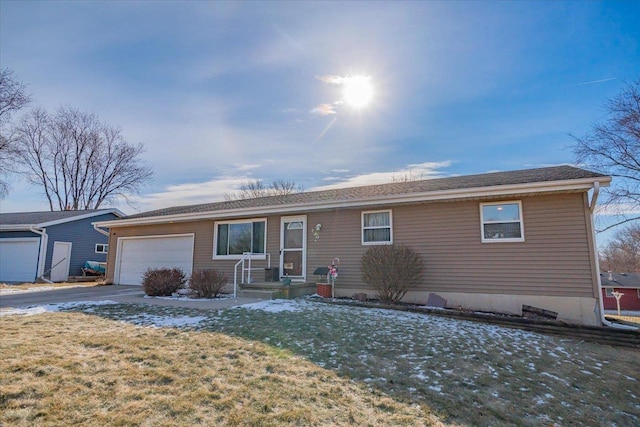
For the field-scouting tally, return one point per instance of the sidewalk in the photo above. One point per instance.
(117, 293)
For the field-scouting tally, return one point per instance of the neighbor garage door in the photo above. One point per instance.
(19, 259)
(137, 254)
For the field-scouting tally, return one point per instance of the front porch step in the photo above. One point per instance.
(276, 290)
(257, 293)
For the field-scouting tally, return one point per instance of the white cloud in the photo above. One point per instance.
(246, 167)
(336, 80)
(324, 109)
(191, 193)
(414, 171)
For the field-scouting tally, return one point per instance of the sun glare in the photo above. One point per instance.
(358, 91)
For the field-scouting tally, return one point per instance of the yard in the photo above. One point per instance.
(302, 362)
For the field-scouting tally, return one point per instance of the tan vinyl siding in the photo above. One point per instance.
(555, 259)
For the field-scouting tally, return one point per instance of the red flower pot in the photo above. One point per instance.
(324, 290)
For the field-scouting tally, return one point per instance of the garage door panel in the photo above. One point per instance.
(19, 259)
(138, 254)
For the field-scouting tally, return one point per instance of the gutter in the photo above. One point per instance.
(592, 207)
(100, 230)
(44, 238)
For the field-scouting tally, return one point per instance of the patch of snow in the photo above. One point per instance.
(546, 374)
(182, 298)
(165, 321)
(436, 387)
(275, 306)
(30, 311)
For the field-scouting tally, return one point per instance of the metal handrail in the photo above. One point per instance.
(246, 257)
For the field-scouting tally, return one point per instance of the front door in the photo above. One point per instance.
(293, 247)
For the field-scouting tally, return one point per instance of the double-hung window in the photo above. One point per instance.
(502, 222)
(233, 238)
(377, 228)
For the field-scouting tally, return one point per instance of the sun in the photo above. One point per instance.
(358, 91)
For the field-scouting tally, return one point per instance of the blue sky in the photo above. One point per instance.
(220, 93)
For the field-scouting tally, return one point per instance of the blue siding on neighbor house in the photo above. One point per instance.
(83, 240)
(16, 234)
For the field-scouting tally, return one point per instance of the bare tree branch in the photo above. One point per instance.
(257, 188)
(622, 254)
(13, 97)
(613, 147)
(79, 162)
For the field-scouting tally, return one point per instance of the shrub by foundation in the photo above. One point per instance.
(392, 270)
(207, 283)
(163, 281)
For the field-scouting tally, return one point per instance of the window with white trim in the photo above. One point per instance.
(609, 292)
(502, 222)
(377, 228)
(233, 238)
(102, 248)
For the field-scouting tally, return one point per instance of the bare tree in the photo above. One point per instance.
(78, 161)
(613, 147)
(622, 254)
(13, 97)
(257, 188)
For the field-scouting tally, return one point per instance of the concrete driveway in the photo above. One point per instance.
(118, 293)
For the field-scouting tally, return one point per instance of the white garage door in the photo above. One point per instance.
(137, 254)
(19, 259)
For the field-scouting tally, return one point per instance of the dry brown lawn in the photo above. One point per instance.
(74, 368)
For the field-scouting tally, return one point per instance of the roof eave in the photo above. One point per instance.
(17, 227)
(114, 211)
(583, 184)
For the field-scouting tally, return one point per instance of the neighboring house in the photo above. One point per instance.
(490, 242)
(627, 284)
(54, 245)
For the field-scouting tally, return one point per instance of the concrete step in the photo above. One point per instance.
(257, 293)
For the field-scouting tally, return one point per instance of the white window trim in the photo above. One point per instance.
(362, 228)
(608, 292)
(505, 240)
(105, 247)
(237, 221)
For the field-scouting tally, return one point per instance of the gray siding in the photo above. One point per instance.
(555, 259)
(83, 238)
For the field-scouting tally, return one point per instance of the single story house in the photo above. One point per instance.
(54, 245)
(627, 284)
(490, 242)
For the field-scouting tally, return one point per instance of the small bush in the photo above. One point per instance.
(207, 283)
(162, 282)
(392, 270)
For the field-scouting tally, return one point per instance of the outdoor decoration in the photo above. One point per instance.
(315, 231)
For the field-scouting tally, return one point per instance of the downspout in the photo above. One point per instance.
(44, 239)
(592, 207)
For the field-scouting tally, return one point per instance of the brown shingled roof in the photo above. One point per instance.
(548, 174)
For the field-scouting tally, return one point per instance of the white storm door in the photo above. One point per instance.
(60, 261)
(293, 247)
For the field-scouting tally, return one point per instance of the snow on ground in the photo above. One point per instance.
(276, 306)
(457, 366)
(39, 309)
